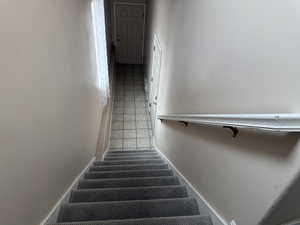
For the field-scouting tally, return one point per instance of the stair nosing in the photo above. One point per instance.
(125, 171)
(131, 150)
(126, 161)
(127, 201)
(130, 160)
(154, 164)
(130, 220)
(133, 153)
(127, 178)
(128, 188)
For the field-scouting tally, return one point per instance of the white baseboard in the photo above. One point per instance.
(104, 153)
(204, 205)
(52, 216)
(295, 222)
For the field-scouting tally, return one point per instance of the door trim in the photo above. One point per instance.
(115, 23)
(156, 44)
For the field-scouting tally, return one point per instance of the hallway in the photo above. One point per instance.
(131, 126)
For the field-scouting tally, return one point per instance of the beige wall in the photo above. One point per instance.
(49, 104)
(229, 57)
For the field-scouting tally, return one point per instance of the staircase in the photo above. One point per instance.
(131, 188)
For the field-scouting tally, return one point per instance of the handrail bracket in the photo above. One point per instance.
(234, 130)
(184, 123)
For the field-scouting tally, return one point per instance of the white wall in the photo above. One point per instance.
(229, 57)
(49, 104)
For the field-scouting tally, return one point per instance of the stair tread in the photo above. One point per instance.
(117, 158)
(125, 202)
(132, 151)
(128, 182)
(128, 178)
(125, 171)
(128, 173)
(129, 167)
(128, 209)
(132, 160)
(133, 193)
(128, 188)
(127, 162)
(178, 220)
(154, 164)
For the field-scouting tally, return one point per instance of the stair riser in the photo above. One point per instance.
(125, 174)
(128, 194)
(127, 162)
(128, 210)
(122, 183)
(133, 167)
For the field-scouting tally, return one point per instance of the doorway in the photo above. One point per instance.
(129, 31)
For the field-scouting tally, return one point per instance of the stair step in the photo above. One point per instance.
(127, 162)
(129, 173)
(109, 158)
(124, 194)
(76, 212)
(132, 154)
(129, 167)
(178, 220)
(128, 182)
(132, 151)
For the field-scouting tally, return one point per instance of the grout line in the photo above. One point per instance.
(132, 96)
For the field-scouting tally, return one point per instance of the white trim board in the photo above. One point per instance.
(104, 153)
(203, 204)
(279, 122)
(51, 218)
(295, 222)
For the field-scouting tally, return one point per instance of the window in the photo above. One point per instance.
(98, 16)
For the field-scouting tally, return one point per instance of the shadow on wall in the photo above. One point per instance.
(275, 145)
(287, 207)
(279, 147)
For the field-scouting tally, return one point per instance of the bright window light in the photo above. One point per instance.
(98, 17)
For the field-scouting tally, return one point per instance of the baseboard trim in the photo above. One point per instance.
(52, 216)
(217, 219)
(295, 222)
(104, 154)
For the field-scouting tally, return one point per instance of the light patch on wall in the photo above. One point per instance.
(98, 16)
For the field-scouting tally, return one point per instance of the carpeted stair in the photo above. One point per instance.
(131, 188)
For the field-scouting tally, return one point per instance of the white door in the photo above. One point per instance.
(154, 80)
(129, 32)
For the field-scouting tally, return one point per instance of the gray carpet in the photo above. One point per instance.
(131, 188)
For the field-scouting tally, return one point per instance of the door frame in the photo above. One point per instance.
(156, 44)
(115, 22)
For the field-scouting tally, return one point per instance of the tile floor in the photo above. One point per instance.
(131, 126)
